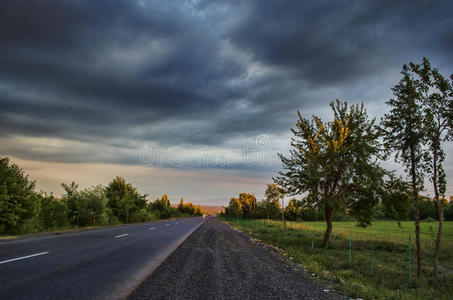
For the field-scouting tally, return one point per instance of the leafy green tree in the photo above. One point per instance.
(271, 201)
(96, 203)
(334, 163)
(396, 199)
(53, 213)
(163, 206)
(405, 136)
(19, 204)
(293, 209)
(72, 199)
(86, 207)
(161, 203)
(234, 208)
(248, 203)
(124, 200)
(436, 94)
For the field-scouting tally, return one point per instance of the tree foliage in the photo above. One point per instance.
(22, 210)
(334, 163)
(19, 204)
(124, 200)
(405, 137)
(436, 99)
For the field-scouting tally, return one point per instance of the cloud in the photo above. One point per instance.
(98, 81)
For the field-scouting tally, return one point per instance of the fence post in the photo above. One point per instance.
(350, 258)
(410, 265)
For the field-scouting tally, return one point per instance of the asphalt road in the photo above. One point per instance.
(107, 263)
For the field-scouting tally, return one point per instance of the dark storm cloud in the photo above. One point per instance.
(333, 42)
(176, 73)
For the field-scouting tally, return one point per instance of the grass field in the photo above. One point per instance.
(383, 274)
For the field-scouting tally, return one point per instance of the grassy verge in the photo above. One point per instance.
(383, 274)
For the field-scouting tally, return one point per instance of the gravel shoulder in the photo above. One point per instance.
(218, 262)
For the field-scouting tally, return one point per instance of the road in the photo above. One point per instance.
(106, 263)
(218, 262)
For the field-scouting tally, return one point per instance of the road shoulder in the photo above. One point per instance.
(218, 262)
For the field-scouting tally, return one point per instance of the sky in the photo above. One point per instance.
(196, 98)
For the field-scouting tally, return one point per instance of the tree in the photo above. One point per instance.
(437, 103)
(19, 204)
(293, 209)
(234, 208)
(396, 199)
(248, 204)
(163, 206)
(404, 135)
(181, 205)
(53, 212)
(86, 207)
(333, 163)
(124, 200)
(272, 196)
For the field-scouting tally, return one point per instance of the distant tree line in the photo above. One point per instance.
(298, 210)
(23, 210)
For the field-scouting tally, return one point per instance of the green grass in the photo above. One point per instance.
(390, 276)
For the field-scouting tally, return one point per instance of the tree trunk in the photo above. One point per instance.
(416, 214)
(328, 214)
(440, 210)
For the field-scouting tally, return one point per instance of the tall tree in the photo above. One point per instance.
(234, 208)
(19, 203)
(124, 199)
(334, 162)
(248, 203)
(437, 101)
(272, 196)
(405, 136)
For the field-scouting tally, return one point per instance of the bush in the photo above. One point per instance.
(19, 204)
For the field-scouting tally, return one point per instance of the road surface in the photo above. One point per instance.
(106, 263)
(218, 262)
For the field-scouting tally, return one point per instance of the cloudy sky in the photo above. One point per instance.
(195, 98)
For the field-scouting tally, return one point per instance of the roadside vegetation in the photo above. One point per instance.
(353, 276)
(23, 210)
(334, 169)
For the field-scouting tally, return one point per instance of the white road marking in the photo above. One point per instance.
(121, 235)
(167, 225)
(152, 228)
(23, 257)
(176, 223)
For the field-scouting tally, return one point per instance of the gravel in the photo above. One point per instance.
(218, 262)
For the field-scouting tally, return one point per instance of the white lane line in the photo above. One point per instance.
(176, 223)
(121, 235)
(152, 228)
(167, 225)
(23, 257)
